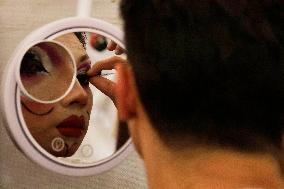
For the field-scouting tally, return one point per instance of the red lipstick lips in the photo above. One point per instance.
(73, 126)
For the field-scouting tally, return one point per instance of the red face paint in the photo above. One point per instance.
(35, 107)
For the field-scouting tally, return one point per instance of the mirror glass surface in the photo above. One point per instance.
(82, 128)
(46, 66)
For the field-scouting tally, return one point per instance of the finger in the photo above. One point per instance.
(119, 50)
(106, 86)
(106, 64)
(111, 46)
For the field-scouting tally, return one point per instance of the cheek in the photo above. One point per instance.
(36, 115)
(38, 126)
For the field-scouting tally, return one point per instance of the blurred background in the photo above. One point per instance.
(17, 19)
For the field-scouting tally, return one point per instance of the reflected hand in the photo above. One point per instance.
(105, 85)
(117, 49)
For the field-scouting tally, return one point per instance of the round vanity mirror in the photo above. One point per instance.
(56, 112)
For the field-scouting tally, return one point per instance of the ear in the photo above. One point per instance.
(129, 106)
(125, 92)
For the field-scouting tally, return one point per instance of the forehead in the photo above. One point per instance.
(74, 45)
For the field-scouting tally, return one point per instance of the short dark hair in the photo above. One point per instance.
(209, 72)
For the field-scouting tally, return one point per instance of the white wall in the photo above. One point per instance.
(17, 19)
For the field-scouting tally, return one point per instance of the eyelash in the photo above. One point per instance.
(83, 78)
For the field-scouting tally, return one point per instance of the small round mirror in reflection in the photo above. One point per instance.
(81, 128)
(46, 72)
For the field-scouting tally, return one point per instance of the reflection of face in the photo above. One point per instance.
(67, 119)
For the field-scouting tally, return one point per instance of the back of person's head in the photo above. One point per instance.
(209, 72)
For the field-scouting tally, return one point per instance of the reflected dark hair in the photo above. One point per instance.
(82, 38)
(209, 72)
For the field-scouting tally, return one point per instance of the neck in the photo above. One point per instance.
(212, 169)
(208, 168)
(202, 167)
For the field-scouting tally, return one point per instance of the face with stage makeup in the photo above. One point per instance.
(61, 126)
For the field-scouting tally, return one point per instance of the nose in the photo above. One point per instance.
(77, 95)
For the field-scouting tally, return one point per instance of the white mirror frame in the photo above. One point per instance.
(10, 102)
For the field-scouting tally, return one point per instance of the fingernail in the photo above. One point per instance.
(117, 51)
